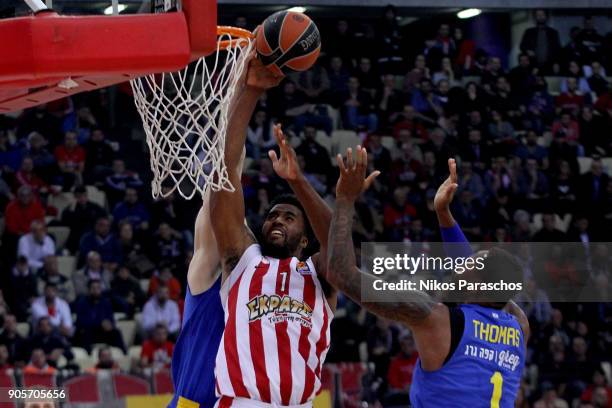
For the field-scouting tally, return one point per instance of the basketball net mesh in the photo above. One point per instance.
(185, 118)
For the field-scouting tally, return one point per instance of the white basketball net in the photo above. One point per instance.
(185, 117)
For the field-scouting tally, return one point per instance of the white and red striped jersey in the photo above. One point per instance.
(277, 331)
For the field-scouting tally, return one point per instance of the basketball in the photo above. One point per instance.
(287, 42)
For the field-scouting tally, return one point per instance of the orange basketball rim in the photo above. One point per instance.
(46, 56)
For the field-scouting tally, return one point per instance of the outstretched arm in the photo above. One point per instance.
(411, 308)
(428, 319)
(227, 208)
(317, 211)
(449, 229)
(204, 266)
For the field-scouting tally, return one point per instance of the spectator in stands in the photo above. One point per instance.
(95, 322)
(358, 108)
(532, 185)
(16, 345)
(161, 309)
(10, 155)
(94, 270)
(471, 180)
(36, 245)
(102, 241)
(531, 148)
(51, 342)
(120, 180)
(382, 342)
(56, 309)
(389, 99)
(541, 42)
(50, 274)
(259, 135)
(599, 382)
(425, 101)
(564, 189)
(491, 74)
(402, 365)
(468, 211)
(398, 213)
(589, 41)
(380, 155)
(570, 100)
(27, 176)
(291, 107)
(100, 155)
(534, 302)
(549, 232)
(575, 71)
(597, 80)
(127, 288)
(168, 246)
(71, 161)
(80, 216)
(23, 288)
(314, 83)
(133, 251)
(593, 133)
(157, 351)
(42, 158)
(316, 157)
(593, 183)
(419, 72)
(475, 150)
(338, 75)
(21, 211)
(550, 398)
(105, 361)
(369, 80)
(132, 210)
(164, 277)
(38, 364)
(5, 364)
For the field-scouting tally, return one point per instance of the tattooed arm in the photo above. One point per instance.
(411, 308)
(428, 320)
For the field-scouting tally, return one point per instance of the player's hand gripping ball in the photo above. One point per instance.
(287, 42)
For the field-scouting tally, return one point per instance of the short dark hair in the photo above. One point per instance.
(500, 264)
(291, 199)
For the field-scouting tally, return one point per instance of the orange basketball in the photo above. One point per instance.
(287, 42)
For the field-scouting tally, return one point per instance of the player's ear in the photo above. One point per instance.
(304, 242)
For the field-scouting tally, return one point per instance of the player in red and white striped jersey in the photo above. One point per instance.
(278, 308)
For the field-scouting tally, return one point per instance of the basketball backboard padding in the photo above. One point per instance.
(38, 52)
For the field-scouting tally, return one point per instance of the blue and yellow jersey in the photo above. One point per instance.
(484, 370)
(193, 361)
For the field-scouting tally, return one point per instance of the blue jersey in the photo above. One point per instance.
(484, 371)
(193, 361)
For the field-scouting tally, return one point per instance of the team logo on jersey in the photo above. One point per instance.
(263, 305)
(302, 268)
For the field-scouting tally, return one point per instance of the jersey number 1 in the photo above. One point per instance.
(283, 281)
(497, 380)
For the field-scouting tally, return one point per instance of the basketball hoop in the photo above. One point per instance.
(182, 67)
(185, 117)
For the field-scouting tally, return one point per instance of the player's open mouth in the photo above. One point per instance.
(276, 233)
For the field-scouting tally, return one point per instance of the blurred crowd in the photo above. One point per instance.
(520, 146)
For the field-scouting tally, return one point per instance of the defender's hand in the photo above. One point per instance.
(287, 166)
(446, 191)
(353, 181)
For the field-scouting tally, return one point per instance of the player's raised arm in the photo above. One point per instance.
(412, 308)
(449, 229)
(227, 208)
(318, 212)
